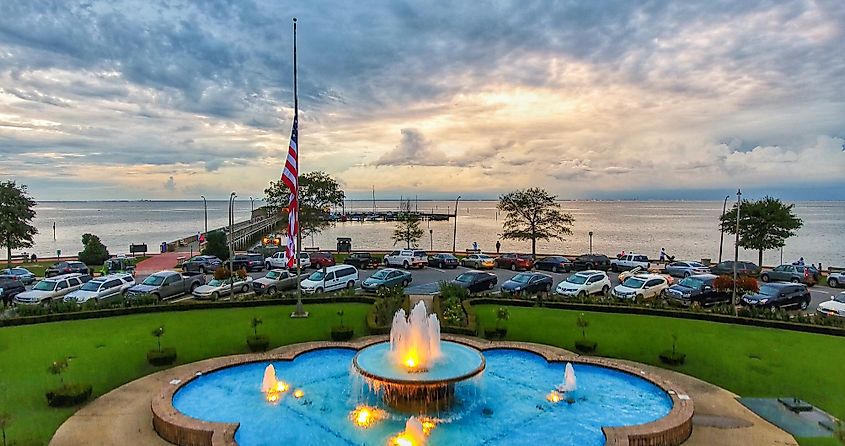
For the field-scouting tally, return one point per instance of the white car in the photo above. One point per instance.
(836, 279)
(99, 288)
(279, 260)
(216, 288)
(834, 307)
(641, 286)
(629, 261)
(584, 283)
(331, 278)
(406, 258)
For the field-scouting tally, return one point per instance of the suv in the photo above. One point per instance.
(406, 258)
(584, 283)
(726, 268)
(836, 279)
(778, 295)
(361, 260)
(60, 268)
(591, 261)
(699, 288)
(629, 261)
(100, 288)
(322, 259)
(202, 264)
(52, 288)
(10, 287)
(515, 262)
(250, 261)
(807, 275)
(640, 287)
(279, 260)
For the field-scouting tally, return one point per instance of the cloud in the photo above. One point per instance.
(170, 185)
(413, 150)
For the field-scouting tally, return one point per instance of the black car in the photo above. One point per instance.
(249, 261)
(60, 268)
(443, 261)
(362, 260)
(10, 287)
(726, 268)
(591, 261)
(554, 264)
(475, 281)
(779, 295)
(697, 288)
(528, 283)
(202, 264)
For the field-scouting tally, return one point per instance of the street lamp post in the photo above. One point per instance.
(736, 244)
(591, 242)
(431, 238)
(251, 206)
(231, 241)
(455, 231)
(722, 239)
(205, 209)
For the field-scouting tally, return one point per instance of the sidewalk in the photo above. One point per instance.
(158, 262)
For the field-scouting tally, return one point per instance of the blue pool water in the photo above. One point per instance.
(505, 405)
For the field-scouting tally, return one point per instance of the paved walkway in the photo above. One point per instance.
(158, 262)
(123, 416)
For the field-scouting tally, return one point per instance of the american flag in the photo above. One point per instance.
(290, 177)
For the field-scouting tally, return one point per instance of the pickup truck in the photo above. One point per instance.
(361, 260)
(166, 284)
(629, 261)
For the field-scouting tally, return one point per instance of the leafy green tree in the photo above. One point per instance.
(318, 192)
(215, 245)
(407, 228)
(57, 368)
(533, 214)
(254, 323)
(763, 224)
(158, 333)
(16, 214)
(583, 323)
(502, 314)
(93, 252)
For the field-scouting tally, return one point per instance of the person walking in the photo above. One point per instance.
(498, 246)
(662, 255)
(475, 247)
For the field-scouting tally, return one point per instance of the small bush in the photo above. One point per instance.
(453, 312)
(341, 333)
(69, 395)
(258, 343)
(672, 358)
(495, 333)
(586, 346)
(165, 356)
(449, 290)
(222, 273)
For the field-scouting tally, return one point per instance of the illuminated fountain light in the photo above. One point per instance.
(366, 416)
(298, 393)
(554, 397)
(269, 382)
(415, 338)
(413, 435)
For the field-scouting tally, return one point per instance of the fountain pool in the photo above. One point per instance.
(507, 404)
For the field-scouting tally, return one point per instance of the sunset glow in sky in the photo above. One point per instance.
(155, 99)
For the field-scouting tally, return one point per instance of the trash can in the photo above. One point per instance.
(344, 244)
(163, 247)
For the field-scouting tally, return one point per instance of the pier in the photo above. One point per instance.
(244, 233)
(388, 215)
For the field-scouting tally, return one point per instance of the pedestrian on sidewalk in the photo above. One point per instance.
(662, 255)
(498, 246)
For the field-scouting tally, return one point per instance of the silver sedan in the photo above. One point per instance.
(685, 269)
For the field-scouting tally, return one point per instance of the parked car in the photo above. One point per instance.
(475, 281)
(69, 267)
(406, 258)
(279, 260)
(478, 261)
(742, 268)
(554, 264)
(53, 288)
(275, 280)
(331, 279)
(10, 286)
(779, 295)
(834, 307)
(361, 260)
(24, 275)
(386, 278)
(685, 268)
(591, 261)
(584, 284)
(443, 261)
(101, 288)
(250, 261)
(528, 283)
(515, 262)
(166, 284)
(223, 287)
(322, 259)
(698, 288)
(639, 270)
(835, 280)
(807, 275)
(641, 287)
(202, 264)
(629, 261)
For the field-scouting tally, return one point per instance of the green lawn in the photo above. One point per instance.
(749, 361)
(110, 352)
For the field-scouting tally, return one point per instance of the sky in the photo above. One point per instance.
(587, 99)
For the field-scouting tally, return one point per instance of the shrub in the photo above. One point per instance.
(258, 343)
(585, 345)
(222, 273)
(673, 357)
(69, 395)
(391, 300)
(242, 273)
(744, 284)
(449, 290)
(215, 245)
(340, 333)
(453, 312)
(93, 252)
(161, 357)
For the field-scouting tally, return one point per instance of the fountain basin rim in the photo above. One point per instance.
(420, 382)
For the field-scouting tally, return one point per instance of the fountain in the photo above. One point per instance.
(416, 371)
(414, 434)
(569, 385)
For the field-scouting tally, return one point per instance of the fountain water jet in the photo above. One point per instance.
(413, 435)
(269, 382)
(569, 383)
(415, 338)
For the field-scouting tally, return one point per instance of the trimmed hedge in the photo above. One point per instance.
(166, 356)
(69, 395)
(672, 358)
(586, 345)
(495, 333)
(258, 343)
(342, 333)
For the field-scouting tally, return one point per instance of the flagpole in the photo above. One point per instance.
(300, 310)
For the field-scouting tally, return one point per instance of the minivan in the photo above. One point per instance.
(330, 279)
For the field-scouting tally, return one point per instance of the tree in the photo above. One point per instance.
(533, 214)
(16, 214)
(318, 192)
(763, 224)
(254, 323)
(215, 245)
(57, 368)
(583, 323)
(407, 228)
(158, 333)
(93, 251)
(502, 314)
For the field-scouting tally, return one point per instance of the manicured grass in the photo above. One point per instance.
(749, 361)
(818, 442)
(112, 351)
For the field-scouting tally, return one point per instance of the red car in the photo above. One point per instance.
(321, 259)
(515, 262)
